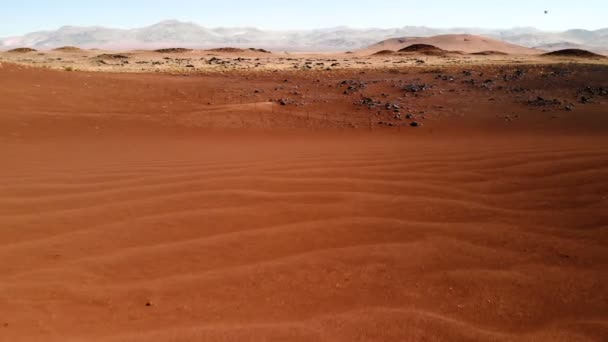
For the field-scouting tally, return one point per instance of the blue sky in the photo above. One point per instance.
(21, 16)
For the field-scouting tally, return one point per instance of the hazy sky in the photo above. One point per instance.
(21, 16)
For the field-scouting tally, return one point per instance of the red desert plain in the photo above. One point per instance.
(236, 195)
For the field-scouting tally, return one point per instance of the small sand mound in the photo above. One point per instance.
(67, 49)
(490, 53)
(384, 53)
(421, 47)
(112, 56)
(22, 50)
(578, 53)
(259, 50)
(227, 50)
(424, 49)
(173, 50)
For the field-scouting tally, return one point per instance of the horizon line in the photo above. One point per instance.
(303, 29)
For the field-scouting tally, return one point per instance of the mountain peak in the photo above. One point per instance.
(174, 22)
(174, 32)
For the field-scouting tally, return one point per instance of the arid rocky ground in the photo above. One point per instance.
(459, 199)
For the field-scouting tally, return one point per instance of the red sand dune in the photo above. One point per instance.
(576, 53)
(119, 227)
(22, 50)
(173, 50)
(384, 53)
(424, 49)
(489, 53)
(227, 49)
(68, 49)
(421, 47)
(454, 42)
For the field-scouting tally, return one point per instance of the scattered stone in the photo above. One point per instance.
(392, 106)
(597, 91)
(557, 73)
(542, 102)
(284, 102)
(445, 78)
(517, 74)
(510, 117)
(352, 86)
(520, 90)
(487, 84)
(415, 88)
(369, 102)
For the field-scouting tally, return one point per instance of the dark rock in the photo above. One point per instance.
(597, 91)
(445, 78)
(369, 102)
(415, 88)
(520, 90)
(542, 102)
(353, 86)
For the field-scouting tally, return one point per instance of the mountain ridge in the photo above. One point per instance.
(170, 33)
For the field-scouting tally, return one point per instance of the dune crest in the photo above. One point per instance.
(454, 42)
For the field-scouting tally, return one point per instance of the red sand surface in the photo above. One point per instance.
(125, 217)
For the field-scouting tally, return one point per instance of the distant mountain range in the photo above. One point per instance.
(174, 33)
